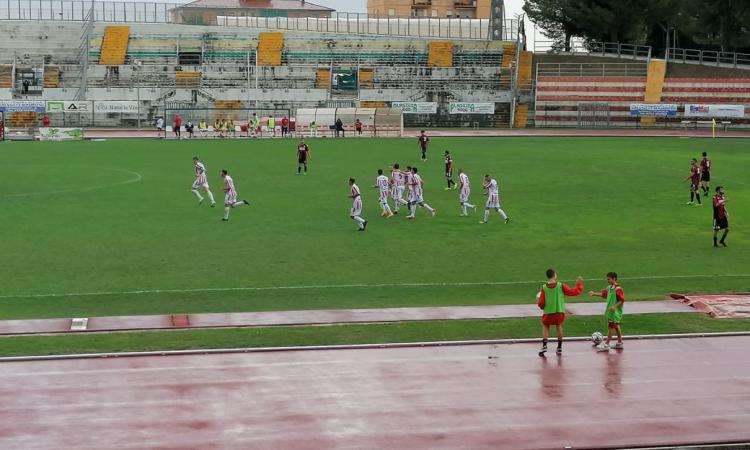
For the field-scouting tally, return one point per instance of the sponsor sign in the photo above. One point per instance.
(106, 107)
(415, 107)
(653, 110)
(60, 134)
(471, 108)
(22, 106)
(735, 111)
(68, 107)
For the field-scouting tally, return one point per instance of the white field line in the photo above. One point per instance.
(136, 177)
(343, 286)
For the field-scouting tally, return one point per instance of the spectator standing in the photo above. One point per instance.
(177, 126)
(284, 126)
(358, 126)
(45, 121)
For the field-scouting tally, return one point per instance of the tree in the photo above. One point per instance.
(724, 24)
(553, 17)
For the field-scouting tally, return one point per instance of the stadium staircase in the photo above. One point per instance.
(366, 78)
(657, 71)
(509, 55)
(270, 47)
(228, 109)
(114, 45)
(51, 77)
(6, 76)
(187, 80)
(440, 54)
(323, 79)
(522, 115)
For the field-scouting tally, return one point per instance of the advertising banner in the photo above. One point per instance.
(653, 110)
(60, 134)
(471, 108)
(22, 106)
(415, 107)
(68, 107)
(734, 111)
(105, 107)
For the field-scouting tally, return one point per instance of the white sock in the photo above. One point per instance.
(463, 207)
(387, 208)
(226, 212)
(427, 207)
(198, 194)
(486, 214)
(502, 213)
(360, 221)
(413, 209)
(402, 201)
(238, 204)
(211, 196)
(469, 205)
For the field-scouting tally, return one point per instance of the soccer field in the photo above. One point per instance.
(111, 228)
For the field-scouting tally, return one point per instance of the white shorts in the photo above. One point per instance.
(416, 197)
(198, 184)
(397, 192)
(493, 201)
(356, 207)
(463, 197)
(383, 197)
(230, 198)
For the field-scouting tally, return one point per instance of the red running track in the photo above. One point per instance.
(655, 392)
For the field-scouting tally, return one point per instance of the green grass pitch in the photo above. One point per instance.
(110, 228)
(116, 221)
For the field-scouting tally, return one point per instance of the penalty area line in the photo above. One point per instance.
(135, 179)
(343, 286)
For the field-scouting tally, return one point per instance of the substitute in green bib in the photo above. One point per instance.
(615, 300)
(551, 300)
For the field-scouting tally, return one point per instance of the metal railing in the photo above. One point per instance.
(608, 49)
(177, 13)
(593, 69)
(709, 58)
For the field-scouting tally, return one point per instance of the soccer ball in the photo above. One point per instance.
(597, 338)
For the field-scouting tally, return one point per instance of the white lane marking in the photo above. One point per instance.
(136, 177)
(344, 286)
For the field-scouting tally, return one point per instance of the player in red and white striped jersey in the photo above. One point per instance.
(381, 183)
(492, 191)
(398, 185)
(201, 182)
(230, 195)
(356, 212)
(416, 195)
(464, 192)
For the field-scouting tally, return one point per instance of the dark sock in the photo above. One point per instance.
(724, 237)
(715, 240)
(698, 196)
(299, 169)
(544, 343)
(692, 196)
(559, 342)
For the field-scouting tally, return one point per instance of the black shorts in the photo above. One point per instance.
(448, 173)
(302, 160)
(721, 224)
(706, 176)
(694, 186)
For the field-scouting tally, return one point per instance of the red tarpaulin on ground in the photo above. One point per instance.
(730, 306)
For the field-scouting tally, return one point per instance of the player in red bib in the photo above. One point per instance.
(705, 174)
(721, 217)
(695, 179)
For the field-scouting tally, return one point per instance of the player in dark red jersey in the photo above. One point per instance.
(705, 174)
(695, 179)
(303, 156)
(449, 171)
(721, 217)
(424, 142)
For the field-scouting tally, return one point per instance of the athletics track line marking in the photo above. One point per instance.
(342, 286)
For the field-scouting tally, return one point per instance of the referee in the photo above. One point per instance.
(721, 218)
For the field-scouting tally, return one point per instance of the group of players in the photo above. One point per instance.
(700, 182)
(395, 186)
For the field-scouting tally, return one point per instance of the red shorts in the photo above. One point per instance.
(612, 325)
(553, 319)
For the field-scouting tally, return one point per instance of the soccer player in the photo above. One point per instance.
(416, 194)
(721, 217)
(230, 195)
(695, 179)
(615, 300)
(705, 174)
(356, 212)
(398, 185)
(381, 182)
(303, 155)
(449, 170)
(463, 196)
(551, 300)
(492, 191)
(201, 182)
(424, 142)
